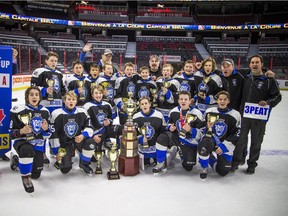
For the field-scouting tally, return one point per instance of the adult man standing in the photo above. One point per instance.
(258, 92)
(232, 82)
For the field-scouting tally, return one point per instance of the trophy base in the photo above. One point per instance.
(113, 175)
(30, 137)
(98, 170)
(128, 166)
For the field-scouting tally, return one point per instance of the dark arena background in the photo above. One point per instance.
(176, 31)
(133, 30)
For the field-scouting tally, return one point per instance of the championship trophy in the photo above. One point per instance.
(129, 159)
(26, 118)
(130, 106)
(154, 95)
(165, 85)
(81, 84)
(98, 155)
(50, 83)
(188, 119)
(113, 154)
(202, 91)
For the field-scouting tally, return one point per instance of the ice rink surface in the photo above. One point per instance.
(175, 193)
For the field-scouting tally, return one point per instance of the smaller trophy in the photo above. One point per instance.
(113, 154)
(143, 131)
(188, 119)
(202, 91)
(130, 106)
(81, 84)
(154, 95)
(98, 155)
(211, 119)
(61, 153)
(165, 85)
(105, 85)
(50, 83)
(26, 118)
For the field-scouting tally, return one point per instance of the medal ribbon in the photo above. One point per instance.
(182, 122)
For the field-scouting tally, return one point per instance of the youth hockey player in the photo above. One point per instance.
(94, 71)
(77, 83)
(167, 91)
(71, 130)
(124, 86)
(183, 131)
(144, 84)
(51, 94)
(152, 123)
(102, 116)
(29, 129)
(107, 81)
(186, 79)
(221, 135)
(208, 84)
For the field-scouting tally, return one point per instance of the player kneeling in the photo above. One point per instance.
(183, 133)
(71, 130)
(29, 129)
(221, 135)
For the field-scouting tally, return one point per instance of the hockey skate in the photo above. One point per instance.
(4, 158)
(204, 173)
(46, 161)
(27, 183)
(234, 167)
(84, 166)
(14, 162)
(160, 168)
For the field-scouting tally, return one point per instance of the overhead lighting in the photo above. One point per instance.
(84, 2)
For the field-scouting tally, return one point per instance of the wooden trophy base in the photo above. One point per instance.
(128, 166)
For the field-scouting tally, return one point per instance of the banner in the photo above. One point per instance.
(6, 96)
(18, 17)
(255, 111)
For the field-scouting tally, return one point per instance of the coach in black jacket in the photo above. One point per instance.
(232, 81)
(261, 90)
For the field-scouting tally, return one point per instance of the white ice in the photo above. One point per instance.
(175, 193)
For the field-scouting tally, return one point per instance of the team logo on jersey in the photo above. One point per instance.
(259, 85)
(110, 91)
(184, 86)
(101, 117)
(143, 92)
(150, 131)
(178, 125)
(220, 128)
(131, 88)
(71, 128)
(203, 88)
(36, 123)
(234, 82)
(56, 83)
